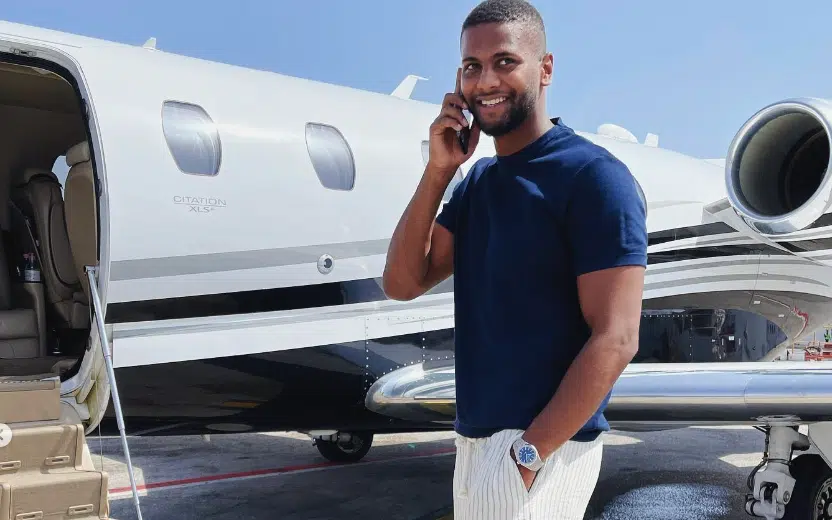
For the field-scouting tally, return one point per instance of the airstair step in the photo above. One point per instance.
(46, 472)
(30, 399)
(57, 495)
(42, 448)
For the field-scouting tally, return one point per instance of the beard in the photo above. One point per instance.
(518, 109)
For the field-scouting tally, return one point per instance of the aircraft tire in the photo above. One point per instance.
(352, 451)
(812, 495)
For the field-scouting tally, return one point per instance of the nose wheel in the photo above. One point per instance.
(344, 446)
(812, 495)
(823, 507)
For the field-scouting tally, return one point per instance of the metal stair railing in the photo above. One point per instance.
(111, 376)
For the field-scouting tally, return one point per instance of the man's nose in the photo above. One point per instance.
(488, 79)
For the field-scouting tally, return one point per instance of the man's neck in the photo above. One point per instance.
(522, 136)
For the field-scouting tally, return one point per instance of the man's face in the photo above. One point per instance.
(502, 75)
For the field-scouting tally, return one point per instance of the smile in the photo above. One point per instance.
(492, 102)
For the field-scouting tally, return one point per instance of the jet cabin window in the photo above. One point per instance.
(192, 138)
(60, 169)
(454, 181)
(331, 156)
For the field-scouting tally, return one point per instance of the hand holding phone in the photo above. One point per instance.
(452, 138)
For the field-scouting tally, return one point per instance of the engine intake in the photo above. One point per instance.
(777, 172)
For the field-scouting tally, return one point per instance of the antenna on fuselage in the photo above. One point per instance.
(405, 88)
(150, 43)
(622, 134)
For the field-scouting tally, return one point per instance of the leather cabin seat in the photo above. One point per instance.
(81, 211)
(19, 337)
(37, 195)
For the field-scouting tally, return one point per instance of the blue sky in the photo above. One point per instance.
(691, 72)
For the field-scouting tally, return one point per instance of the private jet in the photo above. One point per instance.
(194, 247)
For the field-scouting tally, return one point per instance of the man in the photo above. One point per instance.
(547, 243)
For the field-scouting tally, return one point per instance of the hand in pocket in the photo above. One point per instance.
(526, 474)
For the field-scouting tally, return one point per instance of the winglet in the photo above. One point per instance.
(405, 88)
(150, 43)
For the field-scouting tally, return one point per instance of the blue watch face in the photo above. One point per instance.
(526, 455)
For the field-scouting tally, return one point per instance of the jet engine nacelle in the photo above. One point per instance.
(777, 172)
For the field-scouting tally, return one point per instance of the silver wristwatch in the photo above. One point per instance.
(526, 455)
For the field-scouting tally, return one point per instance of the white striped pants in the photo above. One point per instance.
(488, 485)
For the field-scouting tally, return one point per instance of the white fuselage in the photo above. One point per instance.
(250, 212)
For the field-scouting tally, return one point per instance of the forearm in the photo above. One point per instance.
(585, 385)
(408, 256)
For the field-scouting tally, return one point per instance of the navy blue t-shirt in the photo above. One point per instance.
(525, 227)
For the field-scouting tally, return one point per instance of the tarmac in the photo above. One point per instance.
(691, 473)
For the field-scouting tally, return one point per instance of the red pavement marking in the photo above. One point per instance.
(273, 471)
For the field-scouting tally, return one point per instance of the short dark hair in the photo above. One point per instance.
(507, 11)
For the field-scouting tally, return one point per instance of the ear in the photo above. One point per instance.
(546, 67)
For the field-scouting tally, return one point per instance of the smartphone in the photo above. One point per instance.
(465, 134)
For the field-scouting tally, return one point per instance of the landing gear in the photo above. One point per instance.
(793, 489)
(772, 487)
(812, 495)
(343, 446)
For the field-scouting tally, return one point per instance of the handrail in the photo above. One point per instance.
(111, 376)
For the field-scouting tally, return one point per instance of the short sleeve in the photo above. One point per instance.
(607, 219)
(448, 214)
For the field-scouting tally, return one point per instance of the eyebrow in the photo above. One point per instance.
(501, 54)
